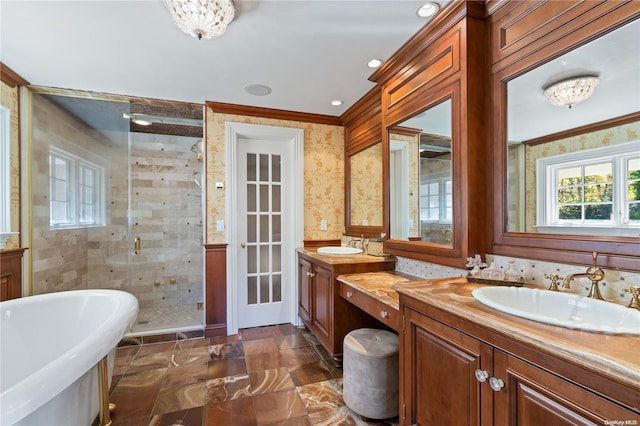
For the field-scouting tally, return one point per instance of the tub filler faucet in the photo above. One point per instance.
(594, 273)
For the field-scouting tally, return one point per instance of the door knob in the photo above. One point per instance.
(243, 245)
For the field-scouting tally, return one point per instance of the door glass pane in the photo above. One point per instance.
(277, 288)
(251, 167)
(251, 228)
(275, 259)
(264, 198)
(251, 197)
(275, 168)
(264, 167)
(264, 258)
(275, 199)
(264, 229)
(264, 289)
(276, 235)
(252, 294)
(252, 266)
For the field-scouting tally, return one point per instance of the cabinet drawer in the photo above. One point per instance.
(380, 311)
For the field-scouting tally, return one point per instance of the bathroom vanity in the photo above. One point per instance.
(324, 312)
(463, 360)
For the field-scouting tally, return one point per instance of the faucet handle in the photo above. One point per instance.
(635, 297)
(554, 281)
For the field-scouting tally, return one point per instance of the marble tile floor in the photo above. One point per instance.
(275, 375)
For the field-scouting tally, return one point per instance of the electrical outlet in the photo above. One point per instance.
(219, 225)
(365, 222)
(323, 225)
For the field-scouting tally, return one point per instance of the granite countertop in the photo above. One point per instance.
(378, 285)
(338, 259)
(613, 355)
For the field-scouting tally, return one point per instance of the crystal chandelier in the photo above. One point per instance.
(570, 91)
(202, 18)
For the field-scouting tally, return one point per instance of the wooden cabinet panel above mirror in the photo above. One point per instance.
(566, 180)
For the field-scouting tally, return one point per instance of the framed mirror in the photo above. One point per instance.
(365, 194)
(571, 175)
(420, 177)
(366, 187)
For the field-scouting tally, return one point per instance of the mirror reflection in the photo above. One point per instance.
(366, 186)
(574, 168)
(420, 177)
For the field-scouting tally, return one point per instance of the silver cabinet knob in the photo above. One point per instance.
(482, 375)
(496, 384)
(384, 314)
(349, 294)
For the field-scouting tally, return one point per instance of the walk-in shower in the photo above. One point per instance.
(112, 207)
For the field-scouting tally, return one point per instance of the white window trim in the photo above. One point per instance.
(5, 175)
(74, 202)
(545, 184)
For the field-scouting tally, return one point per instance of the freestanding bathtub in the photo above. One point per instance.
(49, 347)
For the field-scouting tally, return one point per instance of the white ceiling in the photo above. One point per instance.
(308, 52)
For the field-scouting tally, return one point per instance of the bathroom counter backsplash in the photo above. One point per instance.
(533, 272)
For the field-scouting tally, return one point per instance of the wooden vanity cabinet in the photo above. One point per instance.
(439, 386)
(329, 317)
(11, 274)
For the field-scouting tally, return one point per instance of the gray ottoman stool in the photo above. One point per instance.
(370, 373)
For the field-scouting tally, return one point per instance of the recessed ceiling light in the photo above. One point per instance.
(336, 102)
(428, 9)
(257, 89)
(374, 63)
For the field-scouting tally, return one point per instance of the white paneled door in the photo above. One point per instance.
(263, 280)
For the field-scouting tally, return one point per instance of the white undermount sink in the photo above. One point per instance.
(339, 250)
(561, 309)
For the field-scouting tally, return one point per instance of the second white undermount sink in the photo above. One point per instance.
(561, 309)
(339, 250)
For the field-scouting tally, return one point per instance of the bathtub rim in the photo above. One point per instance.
(42, 386)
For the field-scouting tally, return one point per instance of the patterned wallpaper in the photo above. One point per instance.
(366, 186)
(625, 133)
(323, 174)
(9, 99)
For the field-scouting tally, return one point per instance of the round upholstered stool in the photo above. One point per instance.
(370, 373)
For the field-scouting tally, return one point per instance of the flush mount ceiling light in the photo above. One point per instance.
(570, 91)
(428, 9)
(374, 63)
(336, 102)
(257, 89)
(202, 18)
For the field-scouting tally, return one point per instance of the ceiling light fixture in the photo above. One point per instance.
(374, 63)
(336, 102)
(202, 18)
(428, 9)
(570, 91)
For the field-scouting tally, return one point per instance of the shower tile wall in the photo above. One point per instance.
(166, 215)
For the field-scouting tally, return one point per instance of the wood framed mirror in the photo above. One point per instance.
(565, 180)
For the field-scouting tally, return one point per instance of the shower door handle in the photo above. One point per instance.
(136, 245)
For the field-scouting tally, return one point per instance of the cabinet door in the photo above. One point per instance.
(304, 290)
(438, 370)
(321, 311)
(532, 396)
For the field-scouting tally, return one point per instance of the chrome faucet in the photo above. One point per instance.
(594, 273)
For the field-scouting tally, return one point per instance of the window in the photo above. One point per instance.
(436, 201)
(597, 188)
(75, 191)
